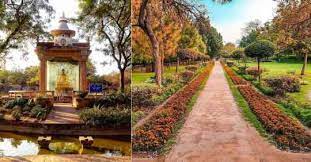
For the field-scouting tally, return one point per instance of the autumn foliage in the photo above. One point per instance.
(288, 133)
(235, 79)
(153, 134)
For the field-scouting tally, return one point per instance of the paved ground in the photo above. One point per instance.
(216, 131)
(63, 113)
(66, 158)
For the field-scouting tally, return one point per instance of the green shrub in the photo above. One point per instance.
(303, 113)
(136, 116)
(186, 76)
(16, 112)
(83, 94)
(21, 102)
(112, 116)
(241, 70)
(10, 104)
(44, 102)
(143, 96)
(167, 92)
(167, 80)
(230, 63)
(114, 99)
(203, 64)
(31, 103)
(283, 84)
(264, 89)
(254, 71)
(26, 108)
(191, 68)
(38, 112)
(249, 77)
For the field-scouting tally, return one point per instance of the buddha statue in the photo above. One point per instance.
(63, 83)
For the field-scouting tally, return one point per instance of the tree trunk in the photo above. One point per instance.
(258, 70)
(145, 24)
(177, 65)
(158, 71)
(162, 65)
(305, 63)
(122, 80)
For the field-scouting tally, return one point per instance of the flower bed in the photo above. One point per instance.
(153, 134)
(235, 79)
(288, 133)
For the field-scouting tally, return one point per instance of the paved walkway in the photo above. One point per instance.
(216, 131)
(63, 113)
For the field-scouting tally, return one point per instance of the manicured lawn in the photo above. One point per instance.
(142, 78)
(283, 68)
(300, 102)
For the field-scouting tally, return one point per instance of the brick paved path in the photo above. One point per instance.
(216, 131)
(63, 114)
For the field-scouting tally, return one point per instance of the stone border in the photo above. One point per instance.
(63, 129)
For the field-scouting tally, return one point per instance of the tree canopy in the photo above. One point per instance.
(111, 21)
(21, 21)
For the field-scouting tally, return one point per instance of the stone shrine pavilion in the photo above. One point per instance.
(63, 61)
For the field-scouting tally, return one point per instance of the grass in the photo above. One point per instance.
(283, 68)
(172, 141)
(299, 106)
(140, 79)
(246, 111)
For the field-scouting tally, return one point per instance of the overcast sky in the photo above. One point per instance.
(70, 8)
(230, 18)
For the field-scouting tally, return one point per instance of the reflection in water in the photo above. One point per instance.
(21, 145)
(12, 147)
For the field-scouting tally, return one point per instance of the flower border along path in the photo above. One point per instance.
(154, 133)
(287, 133)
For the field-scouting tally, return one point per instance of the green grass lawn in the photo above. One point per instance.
(141, 78)
(282, 68)
(300, 102)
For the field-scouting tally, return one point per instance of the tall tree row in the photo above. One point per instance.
(160, 22)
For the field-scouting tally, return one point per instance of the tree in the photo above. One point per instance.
(250, 33)
(214, 42)
(21, 21)
(238, 54)
(32, 75)
(249, 39)
(227, 49)
(293, 19)
(111, 20)
(191, 39)
(260, 49)
(177, 9)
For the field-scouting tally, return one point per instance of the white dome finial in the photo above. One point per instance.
(63, 16)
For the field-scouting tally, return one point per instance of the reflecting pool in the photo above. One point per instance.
(12, 144)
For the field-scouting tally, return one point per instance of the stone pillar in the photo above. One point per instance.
(42, 75)
(83, 80)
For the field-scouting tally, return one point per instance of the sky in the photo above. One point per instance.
(70, 8)
(230, 18)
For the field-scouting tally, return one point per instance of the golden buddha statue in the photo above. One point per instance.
(63, 83)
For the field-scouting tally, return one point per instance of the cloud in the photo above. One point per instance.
(232, 23)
